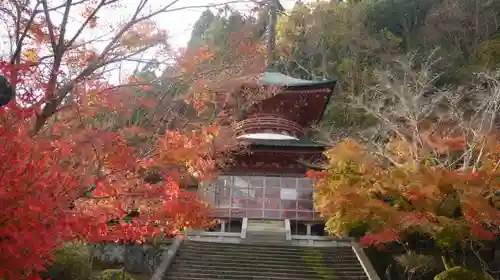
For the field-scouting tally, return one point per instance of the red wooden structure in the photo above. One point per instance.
(267, 180)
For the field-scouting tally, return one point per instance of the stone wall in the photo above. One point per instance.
(135, 258)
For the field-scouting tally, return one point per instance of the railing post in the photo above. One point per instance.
(365, 262)
(167, 258)
(288, 230)
(244, 226)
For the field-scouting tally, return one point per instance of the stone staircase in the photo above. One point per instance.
(198, 260)
(265, 232)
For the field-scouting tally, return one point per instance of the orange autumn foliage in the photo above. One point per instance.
(361, 188)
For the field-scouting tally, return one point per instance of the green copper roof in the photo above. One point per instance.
(279, 79)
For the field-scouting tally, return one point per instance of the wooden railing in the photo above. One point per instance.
(264, 123)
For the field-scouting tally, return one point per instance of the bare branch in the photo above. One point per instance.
(102, 60)
(50, 26)
(19, 44)
(51, 9)
(87, 20)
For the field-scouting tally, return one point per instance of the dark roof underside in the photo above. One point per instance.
(285, 143)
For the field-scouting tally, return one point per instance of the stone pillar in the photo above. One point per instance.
(223, 225)
(308, 234)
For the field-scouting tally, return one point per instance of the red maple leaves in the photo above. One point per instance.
(80, 179)
(383, 237)
(35, 194)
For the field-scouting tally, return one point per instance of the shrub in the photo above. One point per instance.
(114, 274)
(461, 273)
(72, 261)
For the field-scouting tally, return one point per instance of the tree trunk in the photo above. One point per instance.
(271, 31)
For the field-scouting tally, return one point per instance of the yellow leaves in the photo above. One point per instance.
(92, 98)
(400, 150)
(346, 150)
(348, 161)
(359, 186)
(31, 55)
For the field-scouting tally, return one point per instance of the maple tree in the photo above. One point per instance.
(84, 179)
(434, 174)
(360, 188)
(76, 163)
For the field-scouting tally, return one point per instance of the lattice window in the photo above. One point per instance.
(264, 197)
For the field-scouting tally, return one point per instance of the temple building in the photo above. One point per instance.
(263, 202)
(268, 181)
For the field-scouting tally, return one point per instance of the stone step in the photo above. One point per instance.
(199, 245)
(266, 233)
(250, 266)
(210, 260)
(333, 255)
(272, 258)
(190, 272)
(266, 222)
(277, 236)
(257, 241)
(266, 236)
(268, 247)
(277, 255)
(312, 276)
(260, 229)
(262, 237)
(253, 277)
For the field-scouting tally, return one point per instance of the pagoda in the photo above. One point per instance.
(267, 180)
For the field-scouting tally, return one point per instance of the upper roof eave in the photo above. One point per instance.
(271, 78)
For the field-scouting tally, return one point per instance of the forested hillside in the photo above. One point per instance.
(353, 41)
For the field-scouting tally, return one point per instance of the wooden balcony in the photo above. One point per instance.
(266, 123)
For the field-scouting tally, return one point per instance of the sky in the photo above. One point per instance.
(181, 23)
(178, 23)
